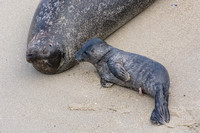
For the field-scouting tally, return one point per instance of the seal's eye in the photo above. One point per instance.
(50, 45)
(85, 53)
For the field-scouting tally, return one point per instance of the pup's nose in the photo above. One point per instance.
(77, 58)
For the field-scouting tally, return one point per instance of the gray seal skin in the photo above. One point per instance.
(59, 27)
(129, 70)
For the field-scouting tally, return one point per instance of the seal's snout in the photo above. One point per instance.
(45, 57)
(30, 55)
(39, 51)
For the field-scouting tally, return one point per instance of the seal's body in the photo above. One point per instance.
(129, 70)
(59, 27)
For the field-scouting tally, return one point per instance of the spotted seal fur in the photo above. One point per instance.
(59, 27)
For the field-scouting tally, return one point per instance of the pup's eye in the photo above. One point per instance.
(85, 53)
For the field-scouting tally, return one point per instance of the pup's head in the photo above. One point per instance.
(92, 51)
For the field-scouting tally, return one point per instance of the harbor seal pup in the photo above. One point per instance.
(130, 70)
(59, 27)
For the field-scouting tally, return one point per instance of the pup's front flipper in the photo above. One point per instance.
(118, 70)
(105, 83)
(160, 114)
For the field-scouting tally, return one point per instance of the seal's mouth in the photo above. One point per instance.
(47, 63)
(31, 56)
(44, 67)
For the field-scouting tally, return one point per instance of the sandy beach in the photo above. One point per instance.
(74, 101)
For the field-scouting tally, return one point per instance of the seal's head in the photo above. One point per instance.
(92, 51)
(44, 54)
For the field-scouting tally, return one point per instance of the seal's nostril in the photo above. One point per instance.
(29, 55)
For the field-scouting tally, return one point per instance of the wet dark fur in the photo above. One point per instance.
(130, 70)
(60, 27)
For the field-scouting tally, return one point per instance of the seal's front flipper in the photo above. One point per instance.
(160, 114)
(105, 83)
(118, 70)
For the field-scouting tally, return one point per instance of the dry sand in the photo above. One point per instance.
(74, 101)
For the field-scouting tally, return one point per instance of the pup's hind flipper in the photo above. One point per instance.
(160, 114)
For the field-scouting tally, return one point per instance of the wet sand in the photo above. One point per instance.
(73, 101)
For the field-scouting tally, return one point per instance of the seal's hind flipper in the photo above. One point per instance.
(160, 114)
(118, 70)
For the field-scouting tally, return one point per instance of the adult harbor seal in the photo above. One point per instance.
(59, 27)
(129, 70)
